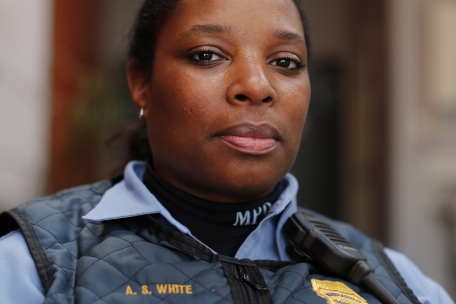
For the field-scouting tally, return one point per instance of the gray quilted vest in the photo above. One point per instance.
(142, 260)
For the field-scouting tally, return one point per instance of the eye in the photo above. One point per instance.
(287, 63)
(204, 56)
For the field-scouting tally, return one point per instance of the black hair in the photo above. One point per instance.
(143, 36)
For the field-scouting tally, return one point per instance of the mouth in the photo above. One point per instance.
(251, 139)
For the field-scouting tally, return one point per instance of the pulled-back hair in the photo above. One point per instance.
(143, 40)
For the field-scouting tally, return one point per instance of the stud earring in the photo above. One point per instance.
(141, 113)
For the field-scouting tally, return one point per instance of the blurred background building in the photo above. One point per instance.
(379, 147)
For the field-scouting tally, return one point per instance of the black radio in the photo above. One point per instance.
(315, 241)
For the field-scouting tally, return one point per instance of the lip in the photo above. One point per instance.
(251, 139)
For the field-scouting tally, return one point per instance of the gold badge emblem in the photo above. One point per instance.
(336, 292)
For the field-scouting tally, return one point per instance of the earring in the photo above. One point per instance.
(141, 113)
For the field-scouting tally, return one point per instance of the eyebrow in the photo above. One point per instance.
(205, 29)
(289, 36)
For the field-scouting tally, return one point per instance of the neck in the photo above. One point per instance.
(221, 226)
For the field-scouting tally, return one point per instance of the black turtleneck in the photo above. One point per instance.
(221, 226)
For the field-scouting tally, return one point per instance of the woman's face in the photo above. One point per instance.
(228, 96)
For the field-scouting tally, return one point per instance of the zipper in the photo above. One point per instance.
(251, 287)
(246, 282)
(246, 279)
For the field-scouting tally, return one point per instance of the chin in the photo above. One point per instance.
(248, 184)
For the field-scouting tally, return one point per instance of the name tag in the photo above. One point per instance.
(160, 289)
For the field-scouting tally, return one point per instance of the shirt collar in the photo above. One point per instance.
(130, 198)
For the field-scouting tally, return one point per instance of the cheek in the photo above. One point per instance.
(182, 105)
(298, 106)
(295, 113)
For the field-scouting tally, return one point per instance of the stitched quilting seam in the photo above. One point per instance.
(108, 234)
(299, 300)
(103, 298)
(66, 275)
(102, 259)
(60, 196)
(60, 212)
(194, 279)
(71, 241)
(142, 268)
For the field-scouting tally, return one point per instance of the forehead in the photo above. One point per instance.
(239, 15)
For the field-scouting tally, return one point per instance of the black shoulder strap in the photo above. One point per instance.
(14, 219)
(398, 279)
(7, 224)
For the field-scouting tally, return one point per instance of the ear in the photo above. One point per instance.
(139, 85)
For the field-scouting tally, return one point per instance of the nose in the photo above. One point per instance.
(250, 84)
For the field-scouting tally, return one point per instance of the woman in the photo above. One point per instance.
(224, 89)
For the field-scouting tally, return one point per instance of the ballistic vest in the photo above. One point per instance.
(144, 260)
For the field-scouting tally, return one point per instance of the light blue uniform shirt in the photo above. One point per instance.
(20, 283)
